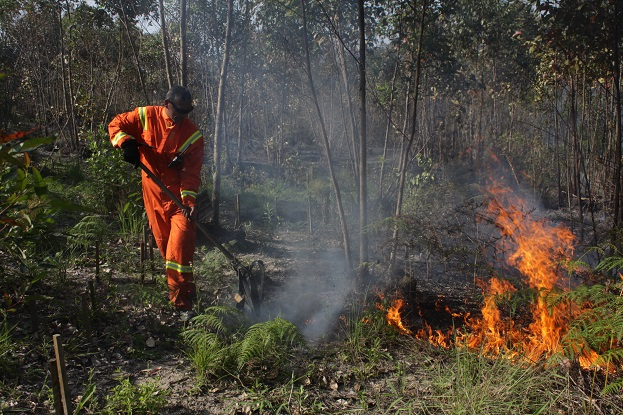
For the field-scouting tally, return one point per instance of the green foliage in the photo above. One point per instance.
(598, 325)
(290, 398)
(28, 213)
(269, 215)
(211, 340)
(268, 342)
(25, 208)
(87, 231)
(126, 398)
(110, 180)
(132, 216)
(211, 265)
(7, 362)
(147, 295)
(220, 342)
(364, 330)
(88, 398)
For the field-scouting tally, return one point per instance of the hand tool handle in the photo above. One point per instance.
(179, 203)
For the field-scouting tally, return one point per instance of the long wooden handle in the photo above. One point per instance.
(200, 226)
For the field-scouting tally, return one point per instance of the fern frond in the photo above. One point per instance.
(610, 263)
(612, 356)
(212, 359)
(220, 319)
(198, 338)
(268, 340)
(615, 387)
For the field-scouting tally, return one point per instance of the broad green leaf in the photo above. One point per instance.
(41, 187)
(67, 205)
(33, 143)
(20, 181)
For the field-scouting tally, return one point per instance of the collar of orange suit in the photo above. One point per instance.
(169, 121)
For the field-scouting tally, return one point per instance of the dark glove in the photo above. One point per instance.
(130, 152)
(177, 162)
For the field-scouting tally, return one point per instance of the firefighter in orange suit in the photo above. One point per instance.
(171, 146)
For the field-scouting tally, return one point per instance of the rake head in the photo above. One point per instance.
(251, 287)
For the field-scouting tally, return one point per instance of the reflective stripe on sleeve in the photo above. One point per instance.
(192, 139)
(190, 193)
(118, 137)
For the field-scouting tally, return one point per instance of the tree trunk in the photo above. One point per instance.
(407, 148)
(183, 57)
(387, 131)
(242, 83)
(573, 115)
(351, 113)
(363, 159)
(67, 87)
(137, 62)
(165, 44)
(336, 188)
(617, 115)
(219, 125)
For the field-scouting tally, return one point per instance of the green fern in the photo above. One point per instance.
(269, 340)
(221, 342)
(598, 326)
(613, 387)
(210, 339)
(610, 263)
(220, 319)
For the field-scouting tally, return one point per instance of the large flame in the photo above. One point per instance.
(538, 250)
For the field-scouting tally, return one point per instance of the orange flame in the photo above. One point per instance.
(393, 316)
(538, 251)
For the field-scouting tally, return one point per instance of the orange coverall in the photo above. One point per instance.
(174, 234)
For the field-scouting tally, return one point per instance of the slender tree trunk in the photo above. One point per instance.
(183, 45)
(557, 146)
(407, 149)
(387, 131)
(165, 44)
(240, 119)
(573, 115)
(617, 115)
(70, 85)
(363, 149)
(245, 41)
(220, 108)
(405, 122)
(336, 188)
(137, 62)
(113, 84)
(351, 112)
(66, 82)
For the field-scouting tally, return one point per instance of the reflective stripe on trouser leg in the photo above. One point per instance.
(179, 256)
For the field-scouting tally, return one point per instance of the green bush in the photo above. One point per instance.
(28, 213)
(110, 180)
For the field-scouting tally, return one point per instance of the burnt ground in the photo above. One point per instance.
(133, 333)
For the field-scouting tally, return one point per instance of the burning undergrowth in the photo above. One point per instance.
(521, 314)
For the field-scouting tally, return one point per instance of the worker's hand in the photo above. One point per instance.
(189, 212)
(130, 152)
